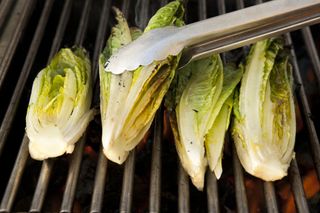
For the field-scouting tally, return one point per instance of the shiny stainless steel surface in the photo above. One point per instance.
(217, 34)
(249, 25)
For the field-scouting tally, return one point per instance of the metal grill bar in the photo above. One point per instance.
(141, 19)
(270, 197)
(14, 39)
(98, 46)
(5, 6)
(83, 25)
(73, 173)
(15, 100)
(202, 10)
(268, 187)
(212, 193)
(76, 158)
(221, 4)
(125, 8)
(155, 182)
(99, 184)
(312, 51)
(240, 4)
(127, 184)
(47, 165)
(302, 96)
(163, 2)
(297, 188)
(23, 154)
(15, 177)
(183, 178)
(221, 7)
(294, 173)
(241, 197)
(183, 190)
(211, 183)
(65, 15)
(42, 186)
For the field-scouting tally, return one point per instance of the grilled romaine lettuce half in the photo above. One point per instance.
(59, 107)
(129, 100)
(199, 107)
(264, 125)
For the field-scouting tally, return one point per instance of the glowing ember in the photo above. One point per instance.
(89, 151)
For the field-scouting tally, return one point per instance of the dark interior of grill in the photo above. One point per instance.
(152, 179)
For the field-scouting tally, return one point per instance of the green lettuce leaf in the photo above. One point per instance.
(199, 102)
(59, 106)
(129, 100)
(214, 140)
(264, 125)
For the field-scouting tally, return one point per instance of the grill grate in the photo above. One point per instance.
(126, 200)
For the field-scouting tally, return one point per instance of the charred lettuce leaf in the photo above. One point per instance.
(199, 104)
(264, 125)
(130, 100)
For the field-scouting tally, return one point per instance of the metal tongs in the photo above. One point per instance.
(217, 34)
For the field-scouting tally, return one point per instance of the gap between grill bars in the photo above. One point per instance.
(153, 195)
